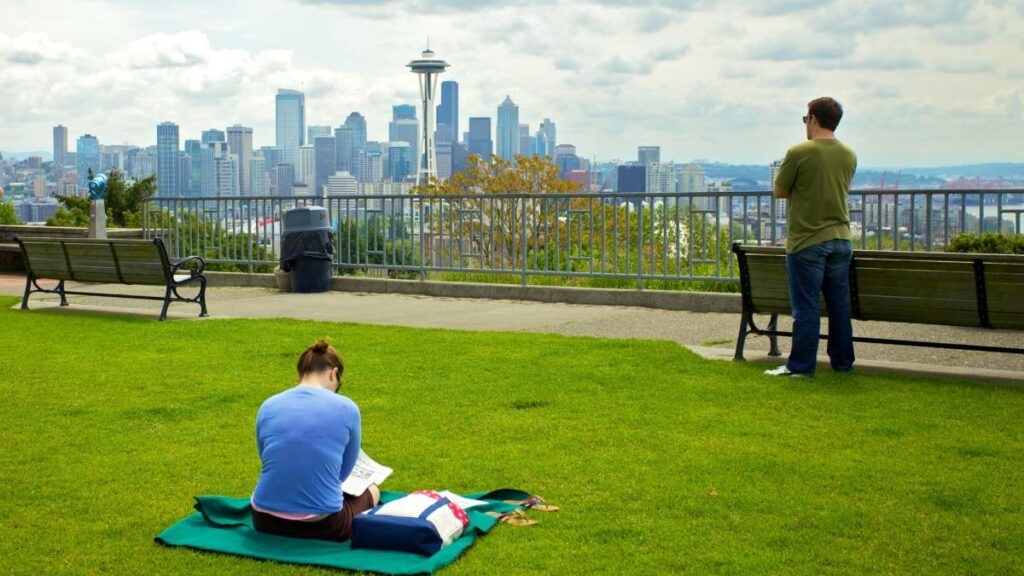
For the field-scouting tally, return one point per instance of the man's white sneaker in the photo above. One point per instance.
(783, 371)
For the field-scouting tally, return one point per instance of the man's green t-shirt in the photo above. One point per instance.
(817, 174)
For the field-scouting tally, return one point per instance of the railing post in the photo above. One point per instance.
(640, 247)
(522, 240)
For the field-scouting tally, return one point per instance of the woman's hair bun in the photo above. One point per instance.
(321, 346)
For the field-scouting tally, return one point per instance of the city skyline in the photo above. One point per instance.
(702, 82)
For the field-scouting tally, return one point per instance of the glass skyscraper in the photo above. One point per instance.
(448, 112)
(212, 135)
(60, 144)
(193, 149)
(508, 129)
(546, 138)
(167, 169)
(480, 142)
(240, 143)
(87, 155)
(400, 111)
(324, 162)
(290, 108)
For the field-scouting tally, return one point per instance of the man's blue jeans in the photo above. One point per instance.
(822, 268)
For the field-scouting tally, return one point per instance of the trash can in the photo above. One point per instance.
(307, 248)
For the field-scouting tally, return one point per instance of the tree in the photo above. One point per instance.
(124, 203)
(472, 223)
(7, 213)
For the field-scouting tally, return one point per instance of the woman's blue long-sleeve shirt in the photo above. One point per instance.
(308, 439)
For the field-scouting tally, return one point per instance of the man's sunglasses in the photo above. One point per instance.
(806, 118)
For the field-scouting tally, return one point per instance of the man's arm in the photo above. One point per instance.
(785, 179)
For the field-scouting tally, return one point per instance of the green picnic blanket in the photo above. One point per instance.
(224, 524)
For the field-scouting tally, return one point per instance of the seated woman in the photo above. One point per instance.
(308, 439)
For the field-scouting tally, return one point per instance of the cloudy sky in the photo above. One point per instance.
(923, 83)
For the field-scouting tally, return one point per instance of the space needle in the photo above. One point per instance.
(427, 67)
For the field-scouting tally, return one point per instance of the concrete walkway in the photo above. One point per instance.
(710, 334)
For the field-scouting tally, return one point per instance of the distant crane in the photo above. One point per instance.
(893, 186)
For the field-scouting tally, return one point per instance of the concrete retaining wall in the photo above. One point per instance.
(662, 299)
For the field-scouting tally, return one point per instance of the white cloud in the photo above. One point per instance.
(35, 47)
(700, 78)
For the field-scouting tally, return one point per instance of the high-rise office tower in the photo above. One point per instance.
(403, 111)
(260, 181)
(427, 68)
(219, 170)
(184, 175)
(780, 203)
(508, 129)
(60, 144)
(167, 170)
(648, 154)
(405, 129)
(632, 178)
(271, 155)
(194, 151)
(87, 155)
(691, 180)
(444, 159)
(285, 178)
(356, 122)
(660, 178)
(370, 164)
(240, 142)
(448, 112)
(290, 113)
(460, 156)
(306, 174)
(344, 149)
(342, 183)
(313, 131)
(479, 141)
(324, 162)
(567, 160)
(350, 141)
(212, 135)
(399, 161)
(546, 140)
(527, 143)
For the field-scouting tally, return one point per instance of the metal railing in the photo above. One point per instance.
(636, 237)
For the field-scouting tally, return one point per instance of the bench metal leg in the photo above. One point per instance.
(63, 297)
(741, 340)
(28, 290)
(167, 303)
(772, 327)
(202, 298)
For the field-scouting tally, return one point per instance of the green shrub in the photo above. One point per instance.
(7, 213)
(987, 243)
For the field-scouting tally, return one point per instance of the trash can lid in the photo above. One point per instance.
(306, 218)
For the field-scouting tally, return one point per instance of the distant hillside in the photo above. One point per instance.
(868, 176)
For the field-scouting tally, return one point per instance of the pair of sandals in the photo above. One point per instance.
(518, 516)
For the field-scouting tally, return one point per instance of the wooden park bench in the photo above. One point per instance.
(143, 262)
(975, 290)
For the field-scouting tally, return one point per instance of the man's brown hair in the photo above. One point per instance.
(318, 358)
(827, 111)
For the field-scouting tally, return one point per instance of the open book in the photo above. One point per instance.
(366, 472)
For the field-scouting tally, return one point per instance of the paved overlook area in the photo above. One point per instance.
(710, 334)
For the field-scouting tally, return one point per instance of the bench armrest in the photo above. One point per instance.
(195, 272)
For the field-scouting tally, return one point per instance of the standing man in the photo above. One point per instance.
(815, 177)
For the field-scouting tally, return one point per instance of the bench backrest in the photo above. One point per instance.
(920, 287)
(83, 260)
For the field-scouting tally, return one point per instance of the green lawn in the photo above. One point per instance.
(662, 462)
